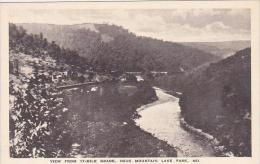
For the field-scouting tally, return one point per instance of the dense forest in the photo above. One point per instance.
(111, 47)
(217, 99)
(38, 46)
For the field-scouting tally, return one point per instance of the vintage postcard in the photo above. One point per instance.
(130, 82)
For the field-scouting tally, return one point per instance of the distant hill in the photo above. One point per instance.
(221, 49)
(112, 47)
(217, 99)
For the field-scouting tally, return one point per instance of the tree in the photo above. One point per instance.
(131, 78)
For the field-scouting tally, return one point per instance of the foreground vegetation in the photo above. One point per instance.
(37, 108)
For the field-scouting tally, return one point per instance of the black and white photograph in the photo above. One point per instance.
(130, 83)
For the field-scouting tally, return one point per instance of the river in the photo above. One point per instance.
(101, 122)
(162, 119)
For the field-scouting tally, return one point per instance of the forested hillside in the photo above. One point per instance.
(38, 46)
(37, 108)
(217, 100)
(110, 47)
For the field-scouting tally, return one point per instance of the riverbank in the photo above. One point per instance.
(219, 149)
(102, 125)
(162, 119)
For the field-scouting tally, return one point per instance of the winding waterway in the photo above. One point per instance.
(162, 119)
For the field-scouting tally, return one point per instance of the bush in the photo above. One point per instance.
(37, 120)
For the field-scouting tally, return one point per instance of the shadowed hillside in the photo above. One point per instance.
(218, 101)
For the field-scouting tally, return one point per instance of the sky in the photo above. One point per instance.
(177, 25)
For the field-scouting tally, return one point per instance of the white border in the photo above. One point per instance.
(255, 59)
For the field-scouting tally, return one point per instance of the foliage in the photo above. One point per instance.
(131, 78)
(37, 118)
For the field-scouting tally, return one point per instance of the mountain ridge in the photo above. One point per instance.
(222, 49)
(113, 43)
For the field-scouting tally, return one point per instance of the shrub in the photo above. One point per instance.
(37, 120)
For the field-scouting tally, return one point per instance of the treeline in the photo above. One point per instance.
(128, 52)
(38, 46)
(111, 47)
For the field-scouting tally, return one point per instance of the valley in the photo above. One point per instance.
(99, 90)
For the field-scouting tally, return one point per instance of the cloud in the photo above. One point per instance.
(217, 26)
(171, 25)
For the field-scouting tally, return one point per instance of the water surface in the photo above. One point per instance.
(162, 119)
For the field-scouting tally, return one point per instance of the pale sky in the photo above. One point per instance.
(180, 25)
